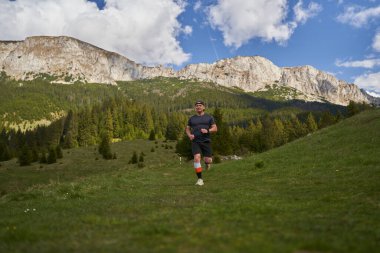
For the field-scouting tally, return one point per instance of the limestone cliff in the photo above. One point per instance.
(65, 56)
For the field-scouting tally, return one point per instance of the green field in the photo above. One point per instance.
(320, 193)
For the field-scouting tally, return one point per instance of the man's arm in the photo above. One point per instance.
(189, 134)
(212, 129)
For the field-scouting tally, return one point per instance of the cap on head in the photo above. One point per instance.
(199, 102)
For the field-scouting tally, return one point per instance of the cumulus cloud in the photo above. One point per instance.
(369, 81)
(197, 5)
(242, 20)
(359, 16)
(368, 63)
(302, 15)
(145, 31)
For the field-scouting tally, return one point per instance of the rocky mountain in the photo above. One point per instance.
(70, 59)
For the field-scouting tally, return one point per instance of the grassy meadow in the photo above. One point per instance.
(320, 193)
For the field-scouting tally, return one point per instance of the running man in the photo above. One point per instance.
(198, 130)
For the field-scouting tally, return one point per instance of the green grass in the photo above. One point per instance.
(317, 194)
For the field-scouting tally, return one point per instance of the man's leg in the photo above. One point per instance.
(208, 162)
(197, 165)
(207, 152)
(197, 162)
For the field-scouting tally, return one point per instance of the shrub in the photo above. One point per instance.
(217, 159)
(259, 164)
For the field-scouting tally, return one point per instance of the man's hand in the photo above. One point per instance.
(204, 131)
(191, 137)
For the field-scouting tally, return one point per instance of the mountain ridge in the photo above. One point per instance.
(64, 57)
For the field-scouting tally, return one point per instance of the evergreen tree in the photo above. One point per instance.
(268, 135)
(108, 125)
(222, 140)
(310, 123)
(105, 148)
(141, 158)
(52, 156)
(34, 154)
(183, 147)
(5, 153)
(134, 158)
(25, 156)
(352, 108)
(152, 135)
(58, 151)
(281, 136)
(86, 129)
(43, 158)
(175, 127)
(70, 131)
(327, 119)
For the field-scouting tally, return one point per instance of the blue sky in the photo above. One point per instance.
(341, 37)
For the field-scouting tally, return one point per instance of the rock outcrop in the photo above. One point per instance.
(68, 57)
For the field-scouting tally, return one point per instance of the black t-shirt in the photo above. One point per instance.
(196, 123)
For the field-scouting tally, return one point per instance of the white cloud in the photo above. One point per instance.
(359, 16)
(187, 30)
(368, 63)
(302, 15)
(197, 5)
(242, 20)
(376, 42)
(144, 31)
(373, 94)
(369, 81)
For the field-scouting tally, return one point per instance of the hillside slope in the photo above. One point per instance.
(24, 104)
(320, 193)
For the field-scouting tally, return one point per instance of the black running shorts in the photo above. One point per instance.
(203, 148)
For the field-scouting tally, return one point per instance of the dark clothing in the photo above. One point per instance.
(203, 148)
(196, 123)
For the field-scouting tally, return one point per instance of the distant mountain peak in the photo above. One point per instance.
(66, 56)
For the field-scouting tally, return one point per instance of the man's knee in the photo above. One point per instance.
(197, 158)
(208, 160)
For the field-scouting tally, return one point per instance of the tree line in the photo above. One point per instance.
(119, 118)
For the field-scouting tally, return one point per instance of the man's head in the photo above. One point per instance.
(199, 106)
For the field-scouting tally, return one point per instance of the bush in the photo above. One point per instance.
(259, 164)
(217, 159)
(134, 158)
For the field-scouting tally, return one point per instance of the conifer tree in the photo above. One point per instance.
(25, 156)
(52, 156)
(58, 151)
(310, 123)
(326, 119)
(86, 129)
(105, 148)
(43, 158)
(5, 153)
(183, 147)
(352, 108)
(141, 157)
(134, 158)
(222, 140)
(152, 135)
(70, 131)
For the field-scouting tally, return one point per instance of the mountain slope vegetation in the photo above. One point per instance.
(39, 98)
(319, 193)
